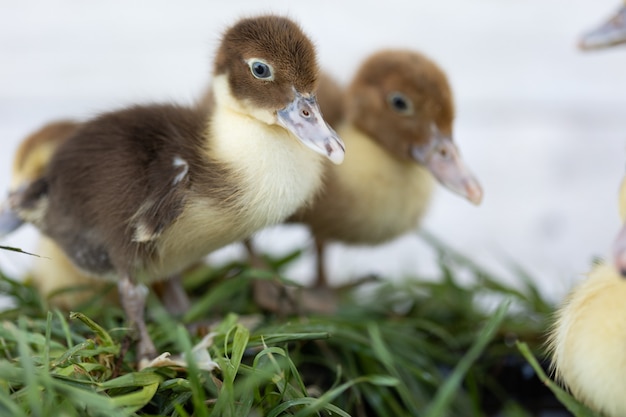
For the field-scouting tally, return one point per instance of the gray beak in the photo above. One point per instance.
(303, 118)
(443, 160)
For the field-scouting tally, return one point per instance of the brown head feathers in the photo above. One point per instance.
(276, 42)
(400, 91)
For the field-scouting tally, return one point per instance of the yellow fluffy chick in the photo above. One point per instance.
(587, 339)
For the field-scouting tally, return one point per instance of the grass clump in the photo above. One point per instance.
(416, 348)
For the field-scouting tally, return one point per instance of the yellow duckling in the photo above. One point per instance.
(587, 341)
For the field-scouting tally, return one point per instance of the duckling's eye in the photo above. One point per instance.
(400, 103)
(261, 70)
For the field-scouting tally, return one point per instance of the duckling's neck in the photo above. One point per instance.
(276, 173)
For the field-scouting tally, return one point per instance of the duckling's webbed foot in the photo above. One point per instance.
(133, 298)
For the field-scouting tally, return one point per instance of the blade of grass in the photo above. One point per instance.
(46, 352)
(314, 405)
(198, 397)
(450, 388)
(226, 400)
(385, 356)
(136, 399)
(133, 379)
(66, 328)
(105, 338)
(30, 373)
(8, 407)
(12, 249)
(576, 408)
(73, 351)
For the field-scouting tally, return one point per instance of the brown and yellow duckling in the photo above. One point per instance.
(399, 114)
(140, 194)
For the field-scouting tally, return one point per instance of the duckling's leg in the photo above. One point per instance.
(270, 295)
(322, 280)
(254, 259)
(610, 33)
(172, 294)
(133, 299)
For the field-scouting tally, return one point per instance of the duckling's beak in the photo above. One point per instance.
(443, 160)
(9, 220)
(303, 118)
(619, 252)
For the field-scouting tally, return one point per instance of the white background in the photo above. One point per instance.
(541, 124)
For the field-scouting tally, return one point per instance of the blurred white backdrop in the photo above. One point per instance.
(541, 124)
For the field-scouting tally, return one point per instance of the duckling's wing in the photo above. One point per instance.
(168, 185)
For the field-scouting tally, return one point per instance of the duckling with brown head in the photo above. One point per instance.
(398, 129)
(141, 193)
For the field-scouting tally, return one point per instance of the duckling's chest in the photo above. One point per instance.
(384, 197)
(274, 176)
(275, 172)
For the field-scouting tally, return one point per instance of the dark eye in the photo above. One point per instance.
(400, 103)
(261, 70)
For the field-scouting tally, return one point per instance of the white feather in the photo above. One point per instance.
(180, 163)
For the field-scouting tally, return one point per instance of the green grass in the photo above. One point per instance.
(417, 348)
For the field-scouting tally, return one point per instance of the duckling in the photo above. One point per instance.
(586, 341)
(141, 193)
(30, 161)
(398, 129)
(34, 152)
(55, 271)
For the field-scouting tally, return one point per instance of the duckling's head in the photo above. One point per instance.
(272, 73)
(34, 153)
(30, 161)
(403, 100)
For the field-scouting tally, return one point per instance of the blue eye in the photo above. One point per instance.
(400, 103)
(261, 70)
